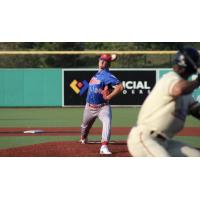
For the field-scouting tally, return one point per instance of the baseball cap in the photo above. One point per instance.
(108, 57)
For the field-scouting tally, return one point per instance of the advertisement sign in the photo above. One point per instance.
(137, 85)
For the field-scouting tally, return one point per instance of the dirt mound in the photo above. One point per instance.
(65, 149)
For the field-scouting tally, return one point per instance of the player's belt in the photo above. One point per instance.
(97, 105)
(157, 135)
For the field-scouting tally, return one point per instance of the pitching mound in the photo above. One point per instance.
(65, 149)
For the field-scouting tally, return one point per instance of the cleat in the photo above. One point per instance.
(83, 141)
(104, 150)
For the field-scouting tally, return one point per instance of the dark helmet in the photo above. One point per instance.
(188, 58)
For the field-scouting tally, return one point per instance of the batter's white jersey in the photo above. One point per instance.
(163, 113)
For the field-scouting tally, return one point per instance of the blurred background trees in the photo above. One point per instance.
(85, 61)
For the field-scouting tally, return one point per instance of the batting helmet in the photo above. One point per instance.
(108, 57)
(188, 58)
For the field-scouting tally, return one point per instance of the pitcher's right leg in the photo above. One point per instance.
(88, 120)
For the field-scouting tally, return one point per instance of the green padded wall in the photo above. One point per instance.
(30, 87)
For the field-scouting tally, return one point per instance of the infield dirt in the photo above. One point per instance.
(71, 148)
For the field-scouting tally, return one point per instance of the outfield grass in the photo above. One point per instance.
(67, 117)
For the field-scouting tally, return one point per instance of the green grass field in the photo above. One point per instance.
(67, 117)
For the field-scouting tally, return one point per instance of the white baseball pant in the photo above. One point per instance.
(104, 113)
(143, 142)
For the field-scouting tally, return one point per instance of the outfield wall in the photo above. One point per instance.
(68, 87)
(30, 87)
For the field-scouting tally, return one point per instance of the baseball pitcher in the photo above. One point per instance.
(97, 102)
(164, 111)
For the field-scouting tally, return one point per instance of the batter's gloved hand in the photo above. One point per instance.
(105, 92)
